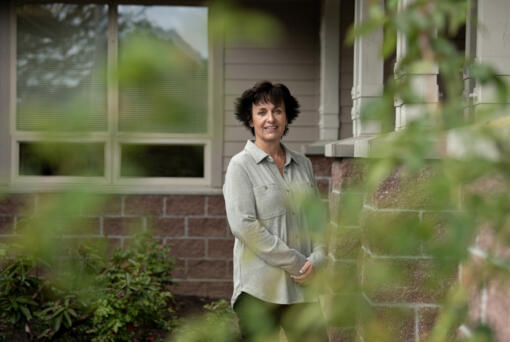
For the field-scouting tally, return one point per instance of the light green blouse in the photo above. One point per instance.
(270, 241)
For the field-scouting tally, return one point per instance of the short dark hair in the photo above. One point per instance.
(266, 92)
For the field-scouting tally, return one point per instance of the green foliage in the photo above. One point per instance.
(32, 305)
(122, 298)
(459, 195)
(135, 299)
(217, 324)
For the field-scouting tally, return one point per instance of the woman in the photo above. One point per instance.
(274, 256)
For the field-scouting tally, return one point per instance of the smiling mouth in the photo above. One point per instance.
(271, 127)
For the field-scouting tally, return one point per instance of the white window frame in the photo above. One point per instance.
(212, 139)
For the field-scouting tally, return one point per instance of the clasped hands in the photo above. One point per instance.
(306, 274)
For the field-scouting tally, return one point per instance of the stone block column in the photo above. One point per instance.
(424, 84)
(368, 81)
(492, 47)
(330, 71)
(401, 282)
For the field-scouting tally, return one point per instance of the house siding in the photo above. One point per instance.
(346, 69)
(295, 61)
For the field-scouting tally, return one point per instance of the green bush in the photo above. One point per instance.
(121, 298)
(218, 323)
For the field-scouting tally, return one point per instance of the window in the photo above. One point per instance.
(114, 94)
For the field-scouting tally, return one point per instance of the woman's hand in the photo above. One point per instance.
(306, 274)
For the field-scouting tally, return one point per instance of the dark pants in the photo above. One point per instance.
(261, 321)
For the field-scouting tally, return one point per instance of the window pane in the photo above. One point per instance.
(163, 69)
(142, 160)
(60, 67)
(61, 159)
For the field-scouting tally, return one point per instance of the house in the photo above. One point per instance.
(51, 54)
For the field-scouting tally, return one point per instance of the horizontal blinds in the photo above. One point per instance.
(163, 69)
(60, 67)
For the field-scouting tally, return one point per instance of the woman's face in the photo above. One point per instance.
(268, 121)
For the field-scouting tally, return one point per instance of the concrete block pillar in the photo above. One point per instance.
(492, 47)
(330, 71)
(368, 81)
(424, 84)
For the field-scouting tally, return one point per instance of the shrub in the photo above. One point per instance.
(219, 323)
(121, 298)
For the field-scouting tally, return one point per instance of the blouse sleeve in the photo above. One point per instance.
(241, 214)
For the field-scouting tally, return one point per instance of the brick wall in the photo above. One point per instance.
(194, 226)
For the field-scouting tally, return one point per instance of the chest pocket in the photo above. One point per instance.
(270, 200)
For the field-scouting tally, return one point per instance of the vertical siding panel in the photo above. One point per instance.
(346, 70)
(5, 139)
(295, 61)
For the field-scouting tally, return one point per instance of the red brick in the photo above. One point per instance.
(100, 243)
(6, 224)
(323, 185)
(230, 269)
(207, 227)
(143, 205)
(191, 248)
(207, 269)
(112, 244)
(229, 232)
(221, 289)
(121, 225)
(26, 224)
(163, 226)
(190, 288)
(179, 271)
(102, 205)
(185, 205)
(83, 226)
(51, 200)
(23, 223)
(321, 165)
(217, 248)
(129, 242)
(14, 204)
(12, 239)
(216, 206)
